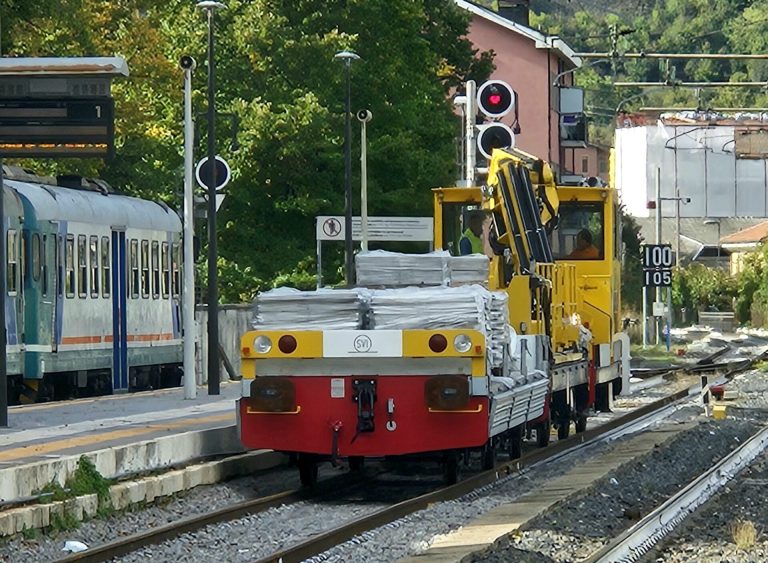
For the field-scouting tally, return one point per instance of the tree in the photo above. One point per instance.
(277, 75)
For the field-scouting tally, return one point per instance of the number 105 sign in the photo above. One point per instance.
(657, 264)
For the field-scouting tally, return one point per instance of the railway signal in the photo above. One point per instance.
(495, 99)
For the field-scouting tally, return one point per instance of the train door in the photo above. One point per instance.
(119, 322)
(57, 245)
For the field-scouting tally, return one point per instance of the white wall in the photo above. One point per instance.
(697, 162)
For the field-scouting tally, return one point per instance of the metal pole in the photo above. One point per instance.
(319, 263)
(677, 207)
(3, 335)
(188, 294)
(349, 272)
(363, 189)
(213, 294)
(657, 322)
(470, 150)
(645, 317)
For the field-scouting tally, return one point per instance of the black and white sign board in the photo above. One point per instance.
(657, 260)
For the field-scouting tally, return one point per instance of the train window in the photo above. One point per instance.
(70, 261)
(579, 234)
(13, 261)
(82, 267)
(44, 262)
(134, 268)
(175, 266)
(106, 266)
(145, 268)
(62, 252)
(155, 269)
(36, 261)
(93, 250)
(165, 259)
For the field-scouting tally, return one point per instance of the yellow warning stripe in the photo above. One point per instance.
(68, 443)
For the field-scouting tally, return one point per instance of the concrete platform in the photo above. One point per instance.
(123, 435)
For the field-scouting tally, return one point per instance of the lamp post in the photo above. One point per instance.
(347, 57)
(210, 7)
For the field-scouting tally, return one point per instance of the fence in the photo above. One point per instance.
(234, 321)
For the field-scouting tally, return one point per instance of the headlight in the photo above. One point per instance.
(262, 344)
(462, 343)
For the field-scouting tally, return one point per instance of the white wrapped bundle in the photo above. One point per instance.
(468, 269)
(497, 317)
(384, 268)
(429, 308)
(324, 309)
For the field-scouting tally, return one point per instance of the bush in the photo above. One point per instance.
(699, 288)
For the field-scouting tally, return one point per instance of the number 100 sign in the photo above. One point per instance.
(657, 256)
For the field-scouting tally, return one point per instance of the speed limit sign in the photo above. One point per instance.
(657, 265)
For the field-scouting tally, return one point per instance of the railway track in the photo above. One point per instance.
(326, 540)
(336, 536)
(634, 542)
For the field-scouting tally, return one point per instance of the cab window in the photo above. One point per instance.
(579, 234)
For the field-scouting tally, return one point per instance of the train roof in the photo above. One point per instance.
(54, 203)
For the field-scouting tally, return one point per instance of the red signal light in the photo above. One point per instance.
(438, 343)
(495, 98)
(287, 344)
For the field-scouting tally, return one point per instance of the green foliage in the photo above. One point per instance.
(276, 73)
(699, 288)
(664, 27)
(753, 286)
(631, 269)
(86, 480)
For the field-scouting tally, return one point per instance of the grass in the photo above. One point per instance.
(762, 366)
(86, 480)
(744, 534)
(655, 352)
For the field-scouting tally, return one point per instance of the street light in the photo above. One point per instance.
(347, 57)
(213, 295)
(715, 222)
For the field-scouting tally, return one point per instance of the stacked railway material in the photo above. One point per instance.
(325, 309)
(380, 268)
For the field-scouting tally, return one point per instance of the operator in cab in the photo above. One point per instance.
(584, 250)
(471, 241)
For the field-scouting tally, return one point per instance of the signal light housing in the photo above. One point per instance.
(438, 343)
(494, 136)
(495, 98)
(287, 344)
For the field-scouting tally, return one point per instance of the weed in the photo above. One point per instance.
(30, 533)
(744, 533)
(63, 522)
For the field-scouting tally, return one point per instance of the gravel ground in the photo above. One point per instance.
(577, 528)
(707, 535)
(47, 547)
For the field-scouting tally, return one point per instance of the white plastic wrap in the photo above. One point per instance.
(324, 309)
(428, 308)
(468, 269)
(379, 268)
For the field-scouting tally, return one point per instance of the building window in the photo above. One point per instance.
(134, 269)
(12, 251)
(94, 259)
(69, 260)
(145, 268)
(82, 267)
(165, 262)
(106, 267)
(584, 164)
(602, 164)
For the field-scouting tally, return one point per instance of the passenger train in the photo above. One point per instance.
(93, 289)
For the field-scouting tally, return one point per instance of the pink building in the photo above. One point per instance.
(530, 62)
